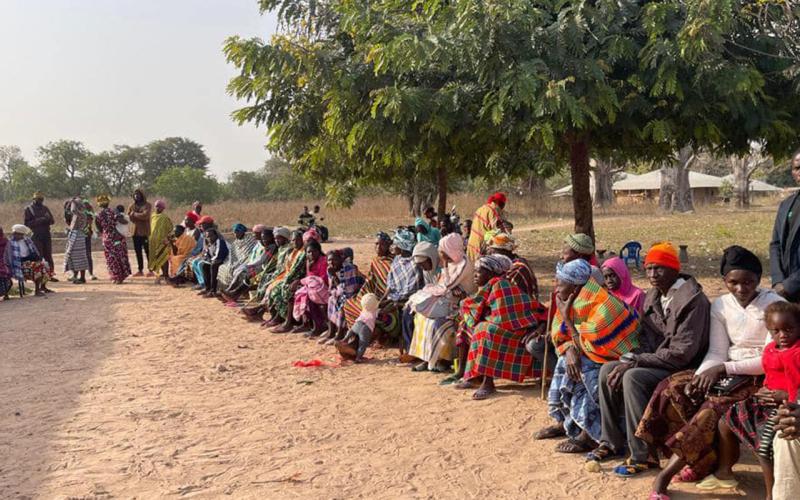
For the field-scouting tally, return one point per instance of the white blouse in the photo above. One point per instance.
(738, 334)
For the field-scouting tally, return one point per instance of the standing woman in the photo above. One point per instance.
(75, 258)
(115, 248)
(90, 216)
(159, 242)
(487, 218)
(139, 212)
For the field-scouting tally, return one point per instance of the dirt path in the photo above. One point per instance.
(146, 391)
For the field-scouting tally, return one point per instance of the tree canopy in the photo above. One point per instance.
(360, 91)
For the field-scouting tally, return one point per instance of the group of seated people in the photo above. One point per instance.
(20, 261)
(635, 373)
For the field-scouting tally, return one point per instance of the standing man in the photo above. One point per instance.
(784, 249)
(39, 219)
(139, 212)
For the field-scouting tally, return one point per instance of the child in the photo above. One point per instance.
(123, 222)
(747, 421)
(357, 340)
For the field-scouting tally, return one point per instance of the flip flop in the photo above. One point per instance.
(482, 394)
(654, 495)
(422, 367)
(712, 482)
(631, 468)
(452, 379)
(601, 453)
(686, 475)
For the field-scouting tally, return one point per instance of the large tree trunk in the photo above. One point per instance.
(604, 171)
(743, 168)
(581, 195)
(676, 192)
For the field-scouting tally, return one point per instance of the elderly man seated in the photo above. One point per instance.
(675, 330)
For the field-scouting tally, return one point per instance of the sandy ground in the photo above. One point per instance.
(144, 391)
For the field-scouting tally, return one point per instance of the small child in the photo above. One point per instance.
(358, 338)
(748, 420)
(122, 227)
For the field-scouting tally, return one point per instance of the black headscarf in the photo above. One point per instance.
(736, 257)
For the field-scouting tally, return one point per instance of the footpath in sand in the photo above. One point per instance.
(144, 391)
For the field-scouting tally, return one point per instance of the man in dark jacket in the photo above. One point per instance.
(675, 328)
(39, 219)
(784, 249)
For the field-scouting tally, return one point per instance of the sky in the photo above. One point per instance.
(108, 72)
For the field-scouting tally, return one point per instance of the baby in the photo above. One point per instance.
(123, 221)
(358, 338)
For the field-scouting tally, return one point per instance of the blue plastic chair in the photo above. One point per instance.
(632, 253)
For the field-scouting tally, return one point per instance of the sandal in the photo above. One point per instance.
(654, 495)
(464, 385)
(550, 432)
(573, 446)
(602, 453)
(631, 468)
(712, 482)
(422, 367)
(483, 393)
(452, 379)
(686, 475)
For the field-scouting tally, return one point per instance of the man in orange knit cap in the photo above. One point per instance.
(674, 337)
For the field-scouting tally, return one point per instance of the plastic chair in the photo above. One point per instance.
(632, 253)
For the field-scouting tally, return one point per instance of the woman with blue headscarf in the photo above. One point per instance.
(240, 248)
(426, 232)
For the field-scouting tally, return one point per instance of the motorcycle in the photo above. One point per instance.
(306, 224)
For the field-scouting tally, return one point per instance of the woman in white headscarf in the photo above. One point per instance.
(436, 306)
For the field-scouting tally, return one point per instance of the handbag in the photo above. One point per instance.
(727, 385)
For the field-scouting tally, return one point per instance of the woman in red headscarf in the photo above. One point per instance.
(487, 218)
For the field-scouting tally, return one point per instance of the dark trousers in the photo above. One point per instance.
(407, 325)
(44, 244)
(537, 348)
(622, 409)
(210, 272)
(89, 254)
(140, 243)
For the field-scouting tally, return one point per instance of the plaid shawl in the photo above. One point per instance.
(402, 280)
(496, 318)
(608, 327)
(350, 280)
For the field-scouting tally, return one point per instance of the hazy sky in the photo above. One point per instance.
(126, 72)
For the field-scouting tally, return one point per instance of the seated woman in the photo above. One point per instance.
(590, 327)
(240, 248)
(617, 280)
(495, 320)
(426, 232)
(747, 421)
(25, 262)
(436, 307)
(254, 308)
(681, 418)
(309, 295)
(181, 245)
(277, 294)
(245, 273)
(344, 283)
(375, 283)
(400, 284)
(191, 268)
(214, 254)
(426, 260)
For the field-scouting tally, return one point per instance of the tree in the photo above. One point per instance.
(243, 185)
(186, 184)
(355, 91)
(115, 172)
(675, 194)
(11, 161)
(743, 167)
(604, 172)
(63, 166)
(170, 152)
